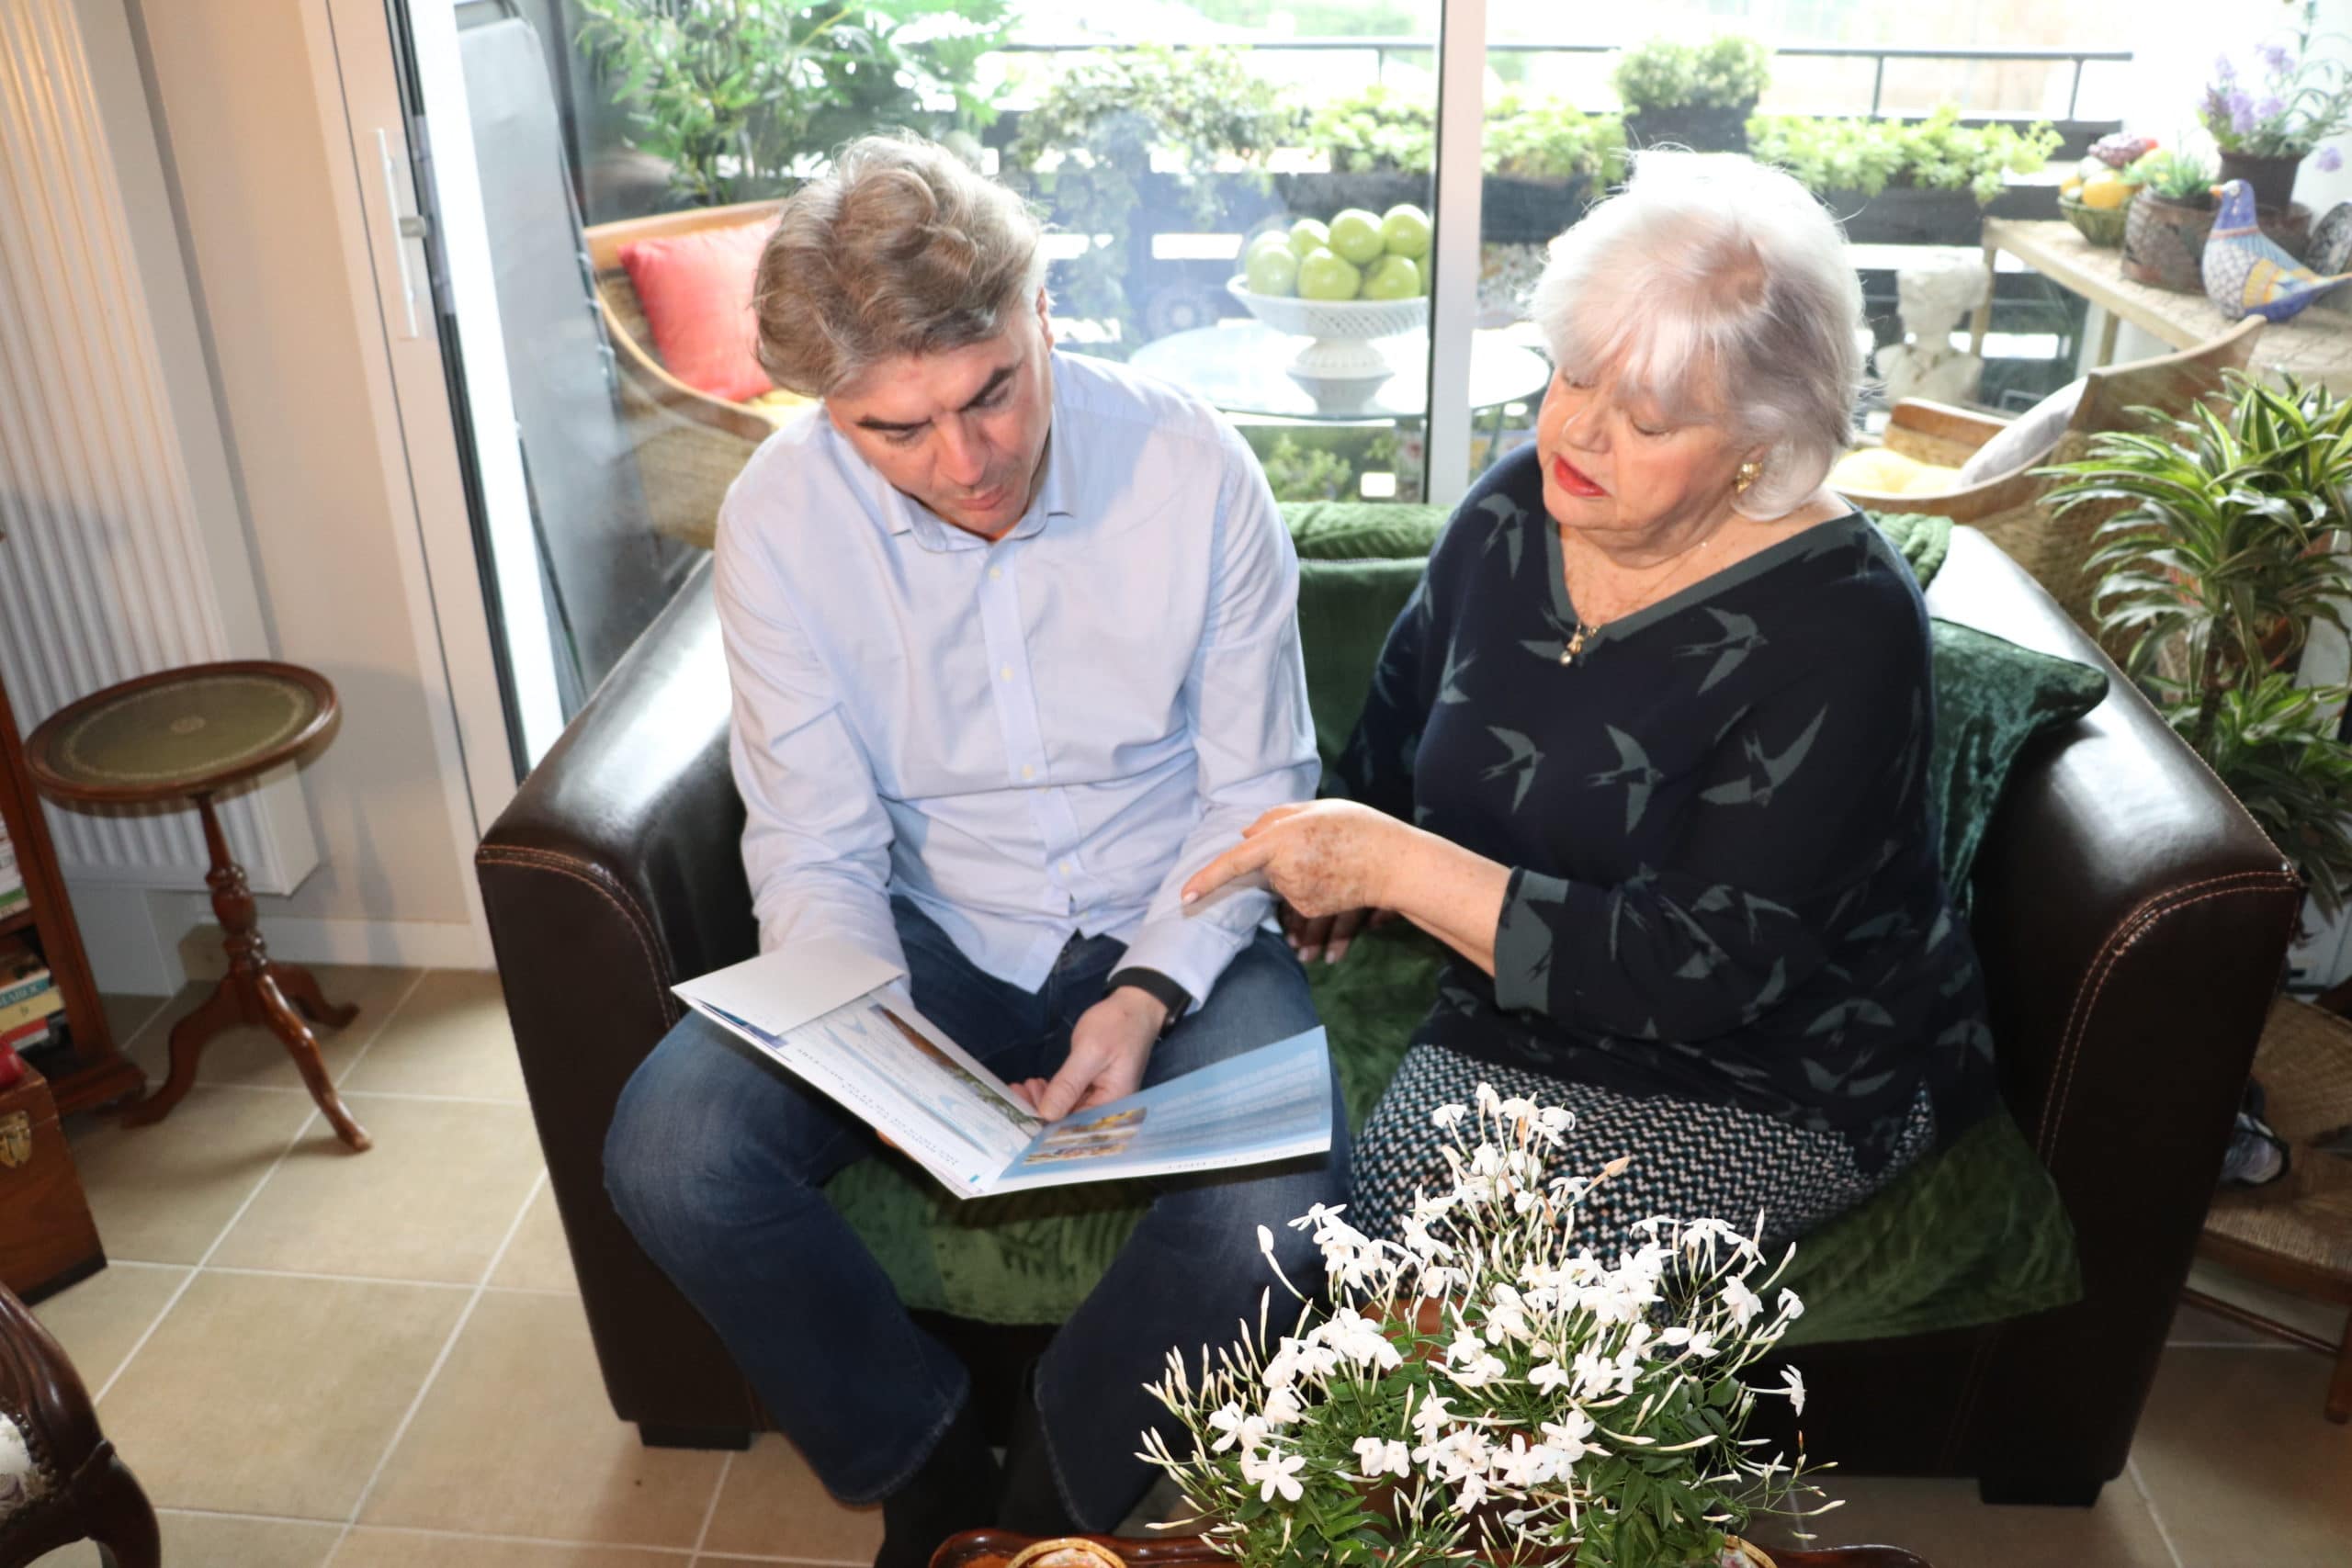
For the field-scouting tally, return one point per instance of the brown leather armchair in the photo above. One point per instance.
(2132, 918)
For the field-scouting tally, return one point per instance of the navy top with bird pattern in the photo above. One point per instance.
(1726, 884)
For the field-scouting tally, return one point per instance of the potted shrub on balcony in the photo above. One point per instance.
(735, 97)
(2228, 549)
(1902, 182)
(1382, 145)
(1546, 160)
(1694, 95)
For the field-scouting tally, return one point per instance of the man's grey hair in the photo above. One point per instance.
(902, 248)
(1721, 289)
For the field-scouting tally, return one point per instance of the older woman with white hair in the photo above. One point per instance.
(1648, 750)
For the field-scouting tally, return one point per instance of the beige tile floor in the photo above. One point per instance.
(380, 1361)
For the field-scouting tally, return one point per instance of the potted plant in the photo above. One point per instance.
(1128, 143)
(2227, 548)
(1382, 145)
(2164, 229)
(1902, 182)
(1694, 95)
(736, 95)
(1544, 158)
(1480, 1391)
(2268, 116)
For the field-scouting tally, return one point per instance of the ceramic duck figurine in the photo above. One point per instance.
(2246, 272)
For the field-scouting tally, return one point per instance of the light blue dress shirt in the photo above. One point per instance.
(1042, 736)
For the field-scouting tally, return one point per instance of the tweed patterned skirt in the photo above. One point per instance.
(1689, 1159)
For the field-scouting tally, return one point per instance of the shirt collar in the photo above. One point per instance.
(1056, 496)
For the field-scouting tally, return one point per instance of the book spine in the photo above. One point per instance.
(24, 989)
(41, 1006)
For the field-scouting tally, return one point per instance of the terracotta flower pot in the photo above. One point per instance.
(2164, 243)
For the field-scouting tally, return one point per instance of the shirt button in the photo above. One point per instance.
(995, 572)
(1065, 868)
(1027, 771)
(1005, 674)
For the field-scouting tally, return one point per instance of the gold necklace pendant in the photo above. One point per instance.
(1573, 647)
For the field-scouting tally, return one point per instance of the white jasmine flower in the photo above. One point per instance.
(1793, 1385)
(1487, 1096)
(1247, 1431)
(1466, 1347)
(1568, 1437)
(1744, 1302)
(1283, 1408)
(1431, 1417)
(1545, 1376)
(1273, 1472)
(1447, 1117)
(1791, 1308)
(1378, 1458)
(1474, 1485)
(1521, 1466)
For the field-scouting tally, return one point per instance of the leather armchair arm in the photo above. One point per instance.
(615, 871)
(2133, 924)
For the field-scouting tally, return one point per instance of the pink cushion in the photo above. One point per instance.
(696, 290)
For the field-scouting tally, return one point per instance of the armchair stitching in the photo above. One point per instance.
(587, 874)
(2126, 934)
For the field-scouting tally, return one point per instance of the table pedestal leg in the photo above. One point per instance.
(253, 991)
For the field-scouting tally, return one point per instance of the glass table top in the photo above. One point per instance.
(1239, 366)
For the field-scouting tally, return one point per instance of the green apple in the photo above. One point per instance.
(1271, 269)
(1305, 234)
(1355, 234)
(1326, 275)
(1271, 240)
(1393, 278)
(1405, 231)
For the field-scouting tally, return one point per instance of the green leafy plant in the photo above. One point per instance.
(2228, 547)
(1376, 131)
(1723, 73)
(2286, 103)
(736, 94)
(1112, 116)
(1869, 155)
(2174, 176)
(1306, 473)
(1550, 139)
(1482, 1391)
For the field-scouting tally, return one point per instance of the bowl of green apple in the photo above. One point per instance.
(1340, 285)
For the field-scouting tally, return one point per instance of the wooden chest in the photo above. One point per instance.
(47, 1240)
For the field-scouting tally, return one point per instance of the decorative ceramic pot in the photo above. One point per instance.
(2164, 243)
(2273, 180)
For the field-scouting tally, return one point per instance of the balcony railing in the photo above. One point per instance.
(1382, 48)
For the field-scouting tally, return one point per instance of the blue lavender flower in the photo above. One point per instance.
(2225, 70)
(2275, 56)
(2270, 108)
(2240, 103)
(2329, 160)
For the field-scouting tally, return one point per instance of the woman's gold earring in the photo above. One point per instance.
(1749, 473)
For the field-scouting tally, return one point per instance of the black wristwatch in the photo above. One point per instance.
(1158, 986)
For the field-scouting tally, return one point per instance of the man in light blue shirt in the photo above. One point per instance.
(1014, 653)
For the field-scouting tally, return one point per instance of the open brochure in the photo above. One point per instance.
(843, 1022)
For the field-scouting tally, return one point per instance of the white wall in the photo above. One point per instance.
(255, 185)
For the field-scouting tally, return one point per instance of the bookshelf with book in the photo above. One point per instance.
(49, 1010)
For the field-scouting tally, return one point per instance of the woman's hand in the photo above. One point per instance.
(1328, 934)
(1322, 858)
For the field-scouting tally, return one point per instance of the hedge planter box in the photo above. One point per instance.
(1708, 130)
(1907, 215)
(1516, 210)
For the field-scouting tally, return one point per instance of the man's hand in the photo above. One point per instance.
(1330, 934)
(1108, 1047)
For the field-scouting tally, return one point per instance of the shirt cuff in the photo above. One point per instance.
(1190, 952)
(1524, 942)
(1155, 985)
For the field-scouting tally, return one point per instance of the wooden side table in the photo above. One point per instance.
(189, 733)
(2296, 1232)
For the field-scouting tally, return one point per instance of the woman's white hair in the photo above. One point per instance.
(1720, 289)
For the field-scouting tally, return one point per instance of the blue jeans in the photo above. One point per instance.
(717, 1155)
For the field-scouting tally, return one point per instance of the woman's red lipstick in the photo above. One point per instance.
(1573, 479)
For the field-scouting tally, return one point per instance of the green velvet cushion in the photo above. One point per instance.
(1992, 697)
(1973, 1235)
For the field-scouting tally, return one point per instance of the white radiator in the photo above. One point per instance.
(123, 553)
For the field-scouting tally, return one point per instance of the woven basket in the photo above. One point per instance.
(2100, 225)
